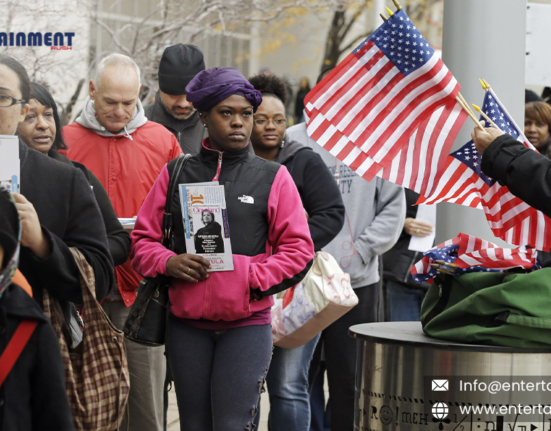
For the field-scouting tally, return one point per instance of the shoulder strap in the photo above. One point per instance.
(172, 184)
(14, 348)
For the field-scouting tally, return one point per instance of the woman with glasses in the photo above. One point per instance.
(56, 206)
(288, 375)
(41, 131)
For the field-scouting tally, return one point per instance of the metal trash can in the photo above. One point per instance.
(406, 381)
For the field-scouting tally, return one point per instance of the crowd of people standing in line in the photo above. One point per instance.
(115, 161)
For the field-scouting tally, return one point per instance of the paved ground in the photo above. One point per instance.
(174, 423)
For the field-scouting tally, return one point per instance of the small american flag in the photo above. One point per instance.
(388, 107)
(462, 182)
(471, 254)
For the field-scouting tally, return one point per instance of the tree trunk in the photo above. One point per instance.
(68, 110)
(333, 42)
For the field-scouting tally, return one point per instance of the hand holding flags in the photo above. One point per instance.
(392, 109)
(463, 182)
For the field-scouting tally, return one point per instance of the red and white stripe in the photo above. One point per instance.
(367, 103)
(418, 165)
(478, 252)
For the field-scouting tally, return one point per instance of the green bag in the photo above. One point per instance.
(500, 309)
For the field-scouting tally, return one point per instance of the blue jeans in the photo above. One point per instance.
(403, 302)
(288, 388)
(218, 375)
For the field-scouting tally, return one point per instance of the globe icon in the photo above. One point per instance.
(440, 410)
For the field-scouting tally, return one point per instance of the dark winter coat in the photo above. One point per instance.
(318, 191)
(118, 237)
(33, 397)
(189, 133)
(526, 173)
(271, 248)
(399, 259)
(70, 217)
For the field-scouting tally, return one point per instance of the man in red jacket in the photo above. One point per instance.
(114, 139)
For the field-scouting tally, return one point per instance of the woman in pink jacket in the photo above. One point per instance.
(220, 341)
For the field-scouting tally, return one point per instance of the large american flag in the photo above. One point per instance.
(462, 182)
(471, 254)
(388, 108)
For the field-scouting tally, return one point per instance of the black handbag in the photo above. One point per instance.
(146, 321)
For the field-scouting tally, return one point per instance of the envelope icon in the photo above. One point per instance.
(440, 385)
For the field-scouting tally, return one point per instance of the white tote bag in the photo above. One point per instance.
(303, 311)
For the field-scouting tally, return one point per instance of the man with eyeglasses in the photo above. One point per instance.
(13, 114)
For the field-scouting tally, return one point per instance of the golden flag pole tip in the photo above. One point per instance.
(383, 17)
(488, 119)
(482, 83)
(397, 4)
(389, 11)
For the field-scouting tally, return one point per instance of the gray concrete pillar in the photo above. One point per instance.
(482, 39)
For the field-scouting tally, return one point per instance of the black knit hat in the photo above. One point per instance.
(179, 64)
(531, 96)
(9, 225)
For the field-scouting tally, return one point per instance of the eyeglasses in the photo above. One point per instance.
(277, 122)
(7, 101)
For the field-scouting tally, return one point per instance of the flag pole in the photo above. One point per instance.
(488, 119)
(469, 112)
(465, 102)
(383, 17)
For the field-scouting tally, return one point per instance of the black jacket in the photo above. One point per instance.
(318, 190)
(525, 172)
(70, 217)
(33, 397)
(399, 259)
(117, 236)
(189, 133)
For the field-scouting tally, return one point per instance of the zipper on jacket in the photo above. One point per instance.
(207, 313)
(219, 168)
(179, 133)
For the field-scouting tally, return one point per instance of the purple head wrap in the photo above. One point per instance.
(211, 86)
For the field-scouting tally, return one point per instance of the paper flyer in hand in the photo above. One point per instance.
(206, 224)
(9, 163)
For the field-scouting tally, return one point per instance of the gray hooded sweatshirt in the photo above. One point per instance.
(88, 120)
(375, 214)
